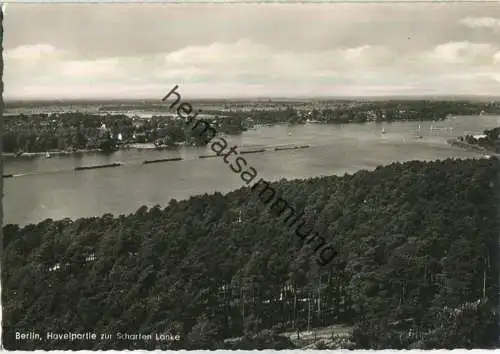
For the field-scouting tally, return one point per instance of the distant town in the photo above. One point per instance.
(120, 126)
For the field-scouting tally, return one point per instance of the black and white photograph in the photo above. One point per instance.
(249, 176)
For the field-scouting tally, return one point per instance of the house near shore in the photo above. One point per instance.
(139, 137)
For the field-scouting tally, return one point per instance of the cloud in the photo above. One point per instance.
(246, 68)
(464, 53)
(30, 53)
(481, 22)
(89, 68)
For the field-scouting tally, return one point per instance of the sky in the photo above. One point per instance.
(134, 51)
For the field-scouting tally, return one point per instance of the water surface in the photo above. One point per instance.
(51, 189)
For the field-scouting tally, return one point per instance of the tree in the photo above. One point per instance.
(204, 334)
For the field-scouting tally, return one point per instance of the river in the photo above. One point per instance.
(49, 188)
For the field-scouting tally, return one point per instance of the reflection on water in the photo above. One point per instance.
(56, 191)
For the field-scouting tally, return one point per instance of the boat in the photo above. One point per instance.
(252, 151)
(419, 135)
(383, 131)
(162, 160)
(286, 148)
(47, 155)
(289, 134)
(81, 168)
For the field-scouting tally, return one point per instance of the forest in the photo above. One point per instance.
(417, 266)
(73, 131)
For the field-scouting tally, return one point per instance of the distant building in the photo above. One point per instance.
(139, 137)
(103, 131)
(138, 124)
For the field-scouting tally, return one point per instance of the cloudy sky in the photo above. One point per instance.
(250, 50)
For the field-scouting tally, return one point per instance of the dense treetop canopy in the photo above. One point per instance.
(417, 265)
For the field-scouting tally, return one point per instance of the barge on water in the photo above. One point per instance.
(286, 148)
(252, 151)
(81, 168)
(162, 160)
(281, 148)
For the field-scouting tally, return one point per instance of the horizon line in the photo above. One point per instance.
(256, 98)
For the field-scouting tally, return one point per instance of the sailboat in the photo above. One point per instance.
(383, 131)
(419, 135)
(47, 155)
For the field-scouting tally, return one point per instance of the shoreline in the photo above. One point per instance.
(51, 153)
(13, 155)
(471, 147)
